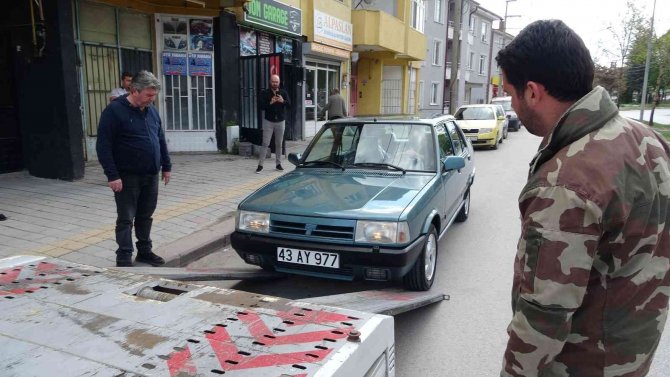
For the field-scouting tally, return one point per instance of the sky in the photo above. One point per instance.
(589, 18)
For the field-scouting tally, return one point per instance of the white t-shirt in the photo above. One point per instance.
(117, 92)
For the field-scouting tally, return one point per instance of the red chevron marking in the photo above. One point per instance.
(180, 364)
(9, 275)
(230, 359)
(259, 330)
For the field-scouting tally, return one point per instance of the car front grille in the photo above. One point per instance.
(313, 230)
(344, 272)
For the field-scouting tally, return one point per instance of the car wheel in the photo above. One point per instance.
(422, 275)
(495, 146)
(465, 210)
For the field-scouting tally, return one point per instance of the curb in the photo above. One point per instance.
(197, 245)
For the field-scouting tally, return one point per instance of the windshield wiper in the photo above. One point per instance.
(379, 164)
(321, 163)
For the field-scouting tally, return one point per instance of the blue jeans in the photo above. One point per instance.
(135, 204)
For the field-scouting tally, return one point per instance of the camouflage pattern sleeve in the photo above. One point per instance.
(555, 256)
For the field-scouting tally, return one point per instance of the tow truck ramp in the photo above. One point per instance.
(65, 319)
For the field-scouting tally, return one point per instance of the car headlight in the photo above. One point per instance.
(485, 130)
(253, 221)
(382, 232)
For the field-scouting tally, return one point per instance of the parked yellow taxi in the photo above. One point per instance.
(483, 124)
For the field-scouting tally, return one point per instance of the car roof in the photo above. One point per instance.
(479, 105)
(400, 119)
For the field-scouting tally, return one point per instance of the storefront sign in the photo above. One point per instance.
(265, 43)
(174, 63)
(247, 42)
(201, 35)
(323, 49)
(199, 64)
(175, 34)
(274, 15)
(332, 31)
(285, 46)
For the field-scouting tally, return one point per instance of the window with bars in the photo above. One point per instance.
(111, 41)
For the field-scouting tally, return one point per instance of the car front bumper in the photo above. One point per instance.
(356, 262)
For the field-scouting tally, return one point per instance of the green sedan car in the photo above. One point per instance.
(369, 199)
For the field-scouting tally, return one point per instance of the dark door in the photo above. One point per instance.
(11, 158)
(254, 77)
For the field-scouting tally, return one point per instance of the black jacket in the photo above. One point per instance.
(131, 141)
(276, 111)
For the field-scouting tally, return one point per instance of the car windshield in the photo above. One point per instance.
(507, 105)
(474, 113)
(387, 146)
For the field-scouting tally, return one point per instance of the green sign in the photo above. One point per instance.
(274, 15)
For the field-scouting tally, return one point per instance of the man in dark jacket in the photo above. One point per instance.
(132, 150)
(274, 102)
(337, 107)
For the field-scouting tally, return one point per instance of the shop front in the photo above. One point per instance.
(327, 66)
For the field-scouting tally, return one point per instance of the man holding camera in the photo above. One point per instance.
(273, 101)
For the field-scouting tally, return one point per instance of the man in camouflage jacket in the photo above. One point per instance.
(591, 281)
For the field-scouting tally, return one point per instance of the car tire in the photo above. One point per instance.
(465, 210)
(495, 146)
(422, 274)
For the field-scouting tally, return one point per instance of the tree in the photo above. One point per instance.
(625, 33)
(661, 55)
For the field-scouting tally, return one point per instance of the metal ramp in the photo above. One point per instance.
(386, 301)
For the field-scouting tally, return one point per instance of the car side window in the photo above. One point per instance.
(444, 141)
(457, 137)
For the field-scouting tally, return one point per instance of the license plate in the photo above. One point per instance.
(472, 138)
(308, 257)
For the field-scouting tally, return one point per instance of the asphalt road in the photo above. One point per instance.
(465, 336)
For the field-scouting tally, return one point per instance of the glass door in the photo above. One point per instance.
(310, 103)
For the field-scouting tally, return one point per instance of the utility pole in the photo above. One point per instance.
(646, 66)
(455, 55)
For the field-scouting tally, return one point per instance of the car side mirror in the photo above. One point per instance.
(454, 162)
(294, 158)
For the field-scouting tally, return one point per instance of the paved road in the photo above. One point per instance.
(465, 336)
(660, 115)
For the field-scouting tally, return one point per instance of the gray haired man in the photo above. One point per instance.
(274, 102)
(132, 151)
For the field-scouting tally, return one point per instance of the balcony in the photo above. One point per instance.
(376, 30)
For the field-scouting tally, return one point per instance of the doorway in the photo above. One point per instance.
(11, 156)
(321, 79)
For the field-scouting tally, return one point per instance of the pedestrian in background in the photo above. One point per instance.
(132, 151)
(336, 107)
(273, 101)
(591, 282)
(126, 78)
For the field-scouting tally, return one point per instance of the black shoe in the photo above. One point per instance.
(258, 169)
(279, 167)
(150, 258)
(124, 261)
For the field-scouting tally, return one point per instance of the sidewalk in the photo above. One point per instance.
(75, 220)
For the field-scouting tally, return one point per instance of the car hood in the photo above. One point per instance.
(468, 124)
(333, 193)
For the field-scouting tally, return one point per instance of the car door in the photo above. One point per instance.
(461, 148)
(451, 180)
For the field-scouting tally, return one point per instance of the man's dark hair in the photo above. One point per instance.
(549, 53)
(126, 74)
